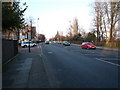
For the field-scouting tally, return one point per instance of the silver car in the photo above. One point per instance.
(66, 43)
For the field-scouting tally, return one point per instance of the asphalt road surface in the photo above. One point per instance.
(74, 67)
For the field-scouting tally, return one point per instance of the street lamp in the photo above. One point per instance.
(37, 28)
(38, 25)
(31, 29)
(28, 37)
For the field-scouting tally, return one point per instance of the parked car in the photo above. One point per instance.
(34, 44)
(88, 45)
(51, 42)
(59, 42)
(66, 43)
(46, 42)
(26, 44)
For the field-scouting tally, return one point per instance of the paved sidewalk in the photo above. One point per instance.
(26, 70)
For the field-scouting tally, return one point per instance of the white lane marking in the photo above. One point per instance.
(41, 53)
(107, 62)
(50, 52)
(93, 54)
(38, 46)
(109, 58)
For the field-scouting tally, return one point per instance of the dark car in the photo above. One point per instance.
(88, 45)
(66, 43)
(46, 42)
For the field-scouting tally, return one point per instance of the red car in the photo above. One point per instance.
(88, 45)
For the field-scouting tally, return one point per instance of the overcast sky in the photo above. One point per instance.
(55, 15)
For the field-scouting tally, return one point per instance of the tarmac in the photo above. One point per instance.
(26, 70)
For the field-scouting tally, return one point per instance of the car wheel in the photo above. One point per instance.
(88, 48)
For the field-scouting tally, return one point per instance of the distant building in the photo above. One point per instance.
(33, 33)
(41, 37)
(27, 33)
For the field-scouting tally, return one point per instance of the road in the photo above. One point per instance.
(73, 67)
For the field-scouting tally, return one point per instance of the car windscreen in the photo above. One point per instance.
(89, 44)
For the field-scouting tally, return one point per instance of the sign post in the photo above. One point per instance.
(29, 46)
(29, 34)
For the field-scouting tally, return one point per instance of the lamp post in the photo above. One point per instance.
(38, 25)
(28, 37)
(31, 29)
(37, 28)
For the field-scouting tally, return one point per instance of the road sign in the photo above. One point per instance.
(29, 35)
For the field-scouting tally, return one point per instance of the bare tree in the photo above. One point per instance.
(97, 19)
(106, 17)
(82, 32)
(75, 26)
(70, 34)
(114, 17)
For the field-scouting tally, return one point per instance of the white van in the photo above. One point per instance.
(26, 44)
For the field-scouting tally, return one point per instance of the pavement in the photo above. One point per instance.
(26, 70)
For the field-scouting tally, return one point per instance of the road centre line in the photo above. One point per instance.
(107, 62)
